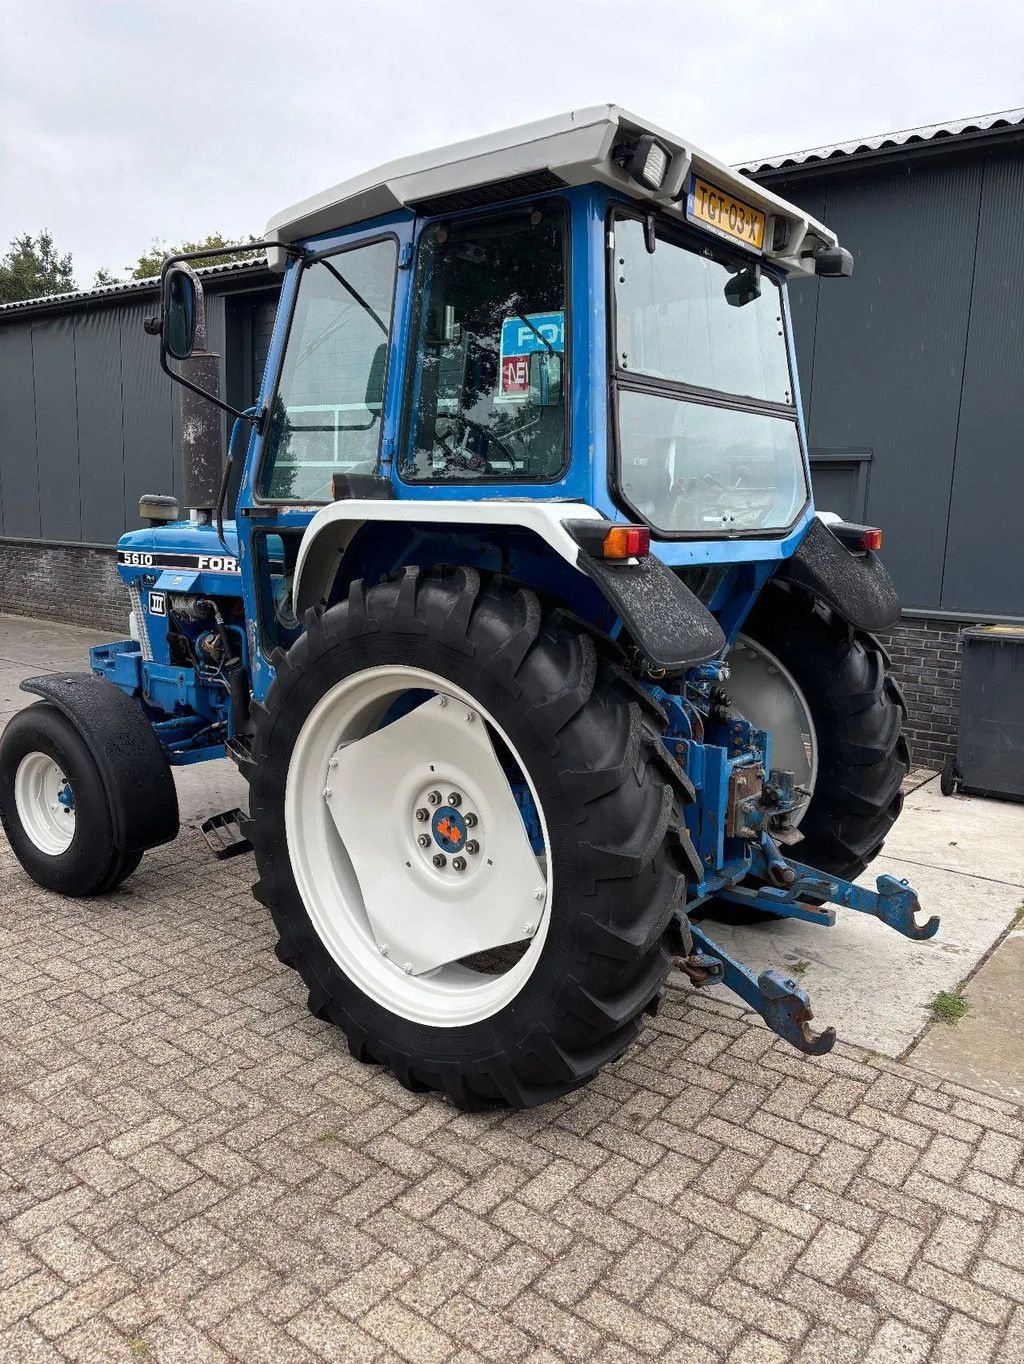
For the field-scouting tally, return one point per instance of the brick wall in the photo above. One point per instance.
(71, 583)
(926, 662)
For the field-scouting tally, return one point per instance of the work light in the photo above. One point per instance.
(649, 163)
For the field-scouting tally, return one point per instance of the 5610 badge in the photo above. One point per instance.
(520, 337)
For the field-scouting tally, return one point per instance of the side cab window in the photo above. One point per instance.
(486, 387)
(327, 413)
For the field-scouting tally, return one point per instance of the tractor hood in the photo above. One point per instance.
(185, 549)
(179, 540)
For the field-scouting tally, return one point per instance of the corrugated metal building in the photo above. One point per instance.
(912, 374)
(89, 422)
(913, 377)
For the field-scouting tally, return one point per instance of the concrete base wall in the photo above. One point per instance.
(75, 584)
(926, 663)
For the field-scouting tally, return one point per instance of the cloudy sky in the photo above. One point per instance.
(124, 121)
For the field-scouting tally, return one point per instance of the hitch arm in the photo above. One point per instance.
(894, 903)
(780, 1001)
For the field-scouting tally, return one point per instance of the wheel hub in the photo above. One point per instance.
(45, 803)
(446, 830)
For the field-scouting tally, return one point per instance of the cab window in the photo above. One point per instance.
(326, 417)
(486, 393)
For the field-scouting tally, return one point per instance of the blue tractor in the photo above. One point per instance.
(525, 634)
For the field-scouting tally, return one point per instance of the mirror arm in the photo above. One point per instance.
(254, 419)
(154, 328)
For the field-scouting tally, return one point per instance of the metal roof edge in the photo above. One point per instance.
(927, 137)
(132, 288)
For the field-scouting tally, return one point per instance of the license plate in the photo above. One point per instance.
(724, 214)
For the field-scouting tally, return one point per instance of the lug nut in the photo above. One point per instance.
(434, 798)
(455, 799)
(458, 863)
(440, 860)
(471, 820)
(422, 815)
(472, 847)
(424, 840)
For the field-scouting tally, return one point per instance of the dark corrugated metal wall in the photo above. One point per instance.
(88, 421)
(918, 362)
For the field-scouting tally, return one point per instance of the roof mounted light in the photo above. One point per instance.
(648, 163)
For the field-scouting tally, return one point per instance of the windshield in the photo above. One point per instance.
(326, 417)
(708, 441)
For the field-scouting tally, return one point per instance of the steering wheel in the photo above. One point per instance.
(458, 458)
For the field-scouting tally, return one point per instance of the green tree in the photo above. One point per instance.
(150, 262)
(104, 277)
(32, 268)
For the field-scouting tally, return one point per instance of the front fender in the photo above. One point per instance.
(857, 586)
(136, 776)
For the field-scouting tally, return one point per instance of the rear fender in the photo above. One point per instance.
(136, 777)
(672, 628)
(856, 585)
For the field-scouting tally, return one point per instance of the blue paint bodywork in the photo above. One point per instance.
(190, 706)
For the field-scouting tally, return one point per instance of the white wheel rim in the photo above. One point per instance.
(396, 923)
(767, 694)
(45, 803)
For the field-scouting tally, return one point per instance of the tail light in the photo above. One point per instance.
(856, 537)
(626, 542)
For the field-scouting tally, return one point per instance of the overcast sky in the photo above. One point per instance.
(125, 122)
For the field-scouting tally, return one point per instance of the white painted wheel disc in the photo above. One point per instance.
(45, 803)
(766, 693)
(408, 847)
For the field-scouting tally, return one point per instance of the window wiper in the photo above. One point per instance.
(366, 307)
(318, 341)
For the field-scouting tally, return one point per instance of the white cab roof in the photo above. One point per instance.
(568, 149)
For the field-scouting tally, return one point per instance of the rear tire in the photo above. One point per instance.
(54, 807)
(858, 713)
(608, 793)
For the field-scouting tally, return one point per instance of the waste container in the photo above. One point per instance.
(990, 737)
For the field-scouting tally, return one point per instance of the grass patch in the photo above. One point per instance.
(949, 1006)
(1018, 916)
(139, 1348)
(799, 968)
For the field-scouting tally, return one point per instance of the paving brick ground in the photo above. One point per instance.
(193, 1169)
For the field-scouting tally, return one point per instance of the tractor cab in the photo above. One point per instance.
(524, 633)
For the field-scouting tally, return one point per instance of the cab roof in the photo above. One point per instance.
(575, 148)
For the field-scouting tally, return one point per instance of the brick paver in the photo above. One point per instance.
(192, 1168)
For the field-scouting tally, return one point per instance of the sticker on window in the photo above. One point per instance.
(520, 337)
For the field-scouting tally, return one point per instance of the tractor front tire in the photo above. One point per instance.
(609, 795)
(857, 710)
(54, 806)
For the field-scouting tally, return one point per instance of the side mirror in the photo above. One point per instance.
(181, 305)
(545, 373)
(834, 262)
(744, 286)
